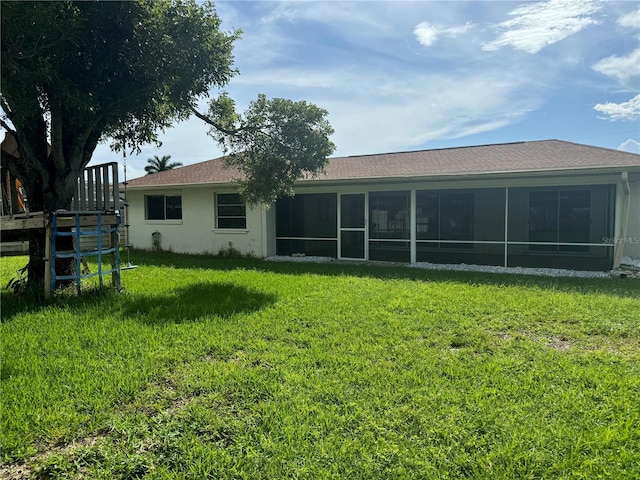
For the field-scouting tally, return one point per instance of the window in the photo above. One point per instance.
(307, 223)
(163, 207)
(231, 211)
(557, 216)
(389, 226)
(389, 214)
(311, 215)
(445, 216)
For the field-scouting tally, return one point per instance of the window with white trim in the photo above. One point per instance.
(163, 207)
(231, 211)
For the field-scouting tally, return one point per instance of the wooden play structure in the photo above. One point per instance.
(92, 220)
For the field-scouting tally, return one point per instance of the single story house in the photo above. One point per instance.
(546, 203)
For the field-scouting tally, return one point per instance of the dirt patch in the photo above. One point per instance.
(25, 471)
(558, 343)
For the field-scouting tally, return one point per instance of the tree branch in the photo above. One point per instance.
(215, 125)
(236, 132)
(6, 126)
(57, 151)
(5, 106)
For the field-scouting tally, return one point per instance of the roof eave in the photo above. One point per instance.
(179, 185)
(471, 175)
(320, 181)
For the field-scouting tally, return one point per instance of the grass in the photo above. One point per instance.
(209, 367)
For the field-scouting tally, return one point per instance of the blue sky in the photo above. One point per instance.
(398, 76)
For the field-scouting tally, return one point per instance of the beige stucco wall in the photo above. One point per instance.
(196, 232)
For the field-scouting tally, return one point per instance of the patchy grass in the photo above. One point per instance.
(238, 368)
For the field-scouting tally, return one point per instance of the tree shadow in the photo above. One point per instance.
(194, 302)
(16, 304)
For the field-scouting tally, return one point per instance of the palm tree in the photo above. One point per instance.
(160, 164)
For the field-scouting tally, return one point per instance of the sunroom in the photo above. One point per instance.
(564, 226)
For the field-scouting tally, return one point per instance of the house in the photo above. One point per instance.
(545, 203)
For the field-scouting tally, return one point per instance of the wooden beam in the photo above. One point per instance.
(35, 221)
(47, 261)
(86, 220)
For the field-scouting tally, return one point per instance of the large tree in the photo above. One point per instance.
(274, 143)
(77, 73)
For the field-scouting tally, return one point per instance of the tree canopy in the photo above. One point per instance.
(160, 164)
(75, 73)
(274, 143)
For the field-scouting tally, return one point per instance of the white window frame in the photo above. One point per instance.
(218, 216)
(164, 206)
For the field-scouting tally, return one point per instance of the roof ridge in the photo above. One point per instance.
(446, 148)
(607, 149)
(521, 156)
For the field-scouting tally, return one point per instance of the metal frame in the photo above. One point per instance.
(79, 222)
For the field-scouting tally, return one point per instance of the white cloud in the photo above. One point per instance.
(537, 25)
(620, 68)
(292, 78)
(377, 110)
(427, 33)
(271, 35)
(621, 111)
(356, 60)
(630, 20)
(630, 145)
(332, 13)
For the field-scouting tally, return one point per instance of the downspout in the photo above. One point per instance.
(618, 249)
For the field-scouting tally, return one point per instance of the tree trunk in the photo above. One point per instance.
(37, 242)
(42, 199)
(37, 264)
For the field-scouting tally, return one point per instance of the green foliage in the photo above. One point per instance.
(240, 368)
(76, 73)
(98, 69)
(18, 283)
(160, 164)
(230, 251)
(273, 144)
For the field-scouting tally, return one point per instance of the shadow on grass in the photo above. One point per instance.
(186, 304)
(194, 302)
(606, 286)
(224, 300)
(14, 305)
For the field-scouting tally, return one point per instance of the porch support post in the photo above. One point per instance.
(47, 255)
(265, 230)
(506, 226)
(115, 255)
(618, 248)
(412, 227)
(338, 225)
(366, 226)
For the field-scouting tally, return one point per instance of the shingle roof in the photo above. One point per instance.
(535, 156)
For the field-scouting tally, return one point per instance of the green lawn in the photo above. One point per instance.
(238, 368)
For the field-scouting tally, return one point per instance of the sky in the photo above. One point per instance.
(398, 76)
